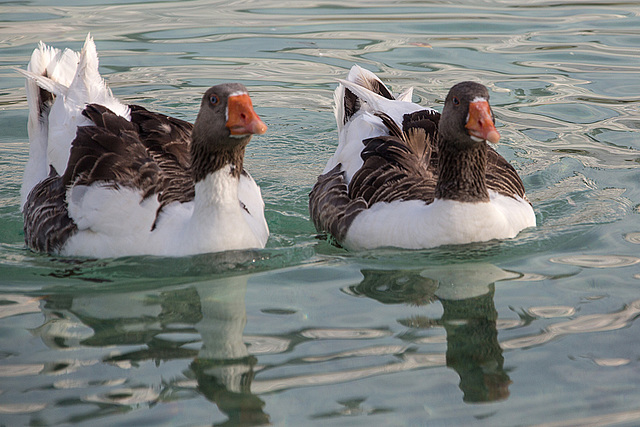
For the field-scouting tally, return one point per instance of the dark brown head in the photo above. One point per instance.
(223, 129)
(465, 125)
(467, 119)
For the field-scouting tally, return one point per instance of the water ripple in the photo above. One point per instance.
(13, 305)
(20, 370)
(583, 324)
(633, 237)
(610, 362)
(563, 82)
(21, 408)
(125, 396)
(616, 418)
(551, 312)
(266, 345)
(346, 334)
(597, 261)
(407, 363)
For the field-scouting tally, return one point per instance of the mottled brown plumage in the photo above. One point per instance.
(168, 142)
(46, 207)
(397, 166)
(332, 208)
(111, 152)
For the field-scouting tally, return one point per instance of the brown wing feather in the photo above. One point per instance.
(398, 166)
(377, 86)
(352, 103)
(111, 152)
(47, 225)
(332, 209)
(502, 177)
(167, 141)
(149, 153)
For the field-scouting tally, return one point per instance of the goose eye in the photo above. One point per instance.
(213, 99)
(456, 101)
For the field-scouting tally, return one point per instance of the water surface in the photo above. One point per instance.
(538, 330)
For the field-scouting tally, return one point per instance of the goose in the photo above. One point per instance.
(406, 176)
(105, 179)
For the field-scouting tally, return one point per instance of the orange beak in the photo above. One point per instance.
(242, 120)
(480, 123)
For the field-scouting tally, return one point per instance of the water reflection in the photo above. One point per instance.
(223, 368)
(113, 352)
(582, 324)
(160, 327)
(469, 319)
(597, 261)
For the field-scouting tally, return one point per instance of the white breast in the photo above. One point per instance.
(415, 225)
(114, 223)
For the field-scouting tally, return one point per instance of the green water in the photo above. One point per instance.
(539, 330)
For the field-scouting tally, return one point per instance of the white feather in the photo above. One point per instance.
(376, 103)
(87, 87)
(416, 225)
(50, 85)
(61, 66)
(75, 81)
(406, 96)
(250, 195)
(213, 222)
(100, 213)
(364, 123)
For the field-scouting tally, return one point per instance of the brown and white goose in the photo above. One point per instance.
(406, 176)
(105, 179)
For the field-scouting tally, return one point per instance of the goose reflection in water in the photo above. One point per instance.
(204, 322)
(224, 369)
(121, 349)
(466, 293)
(169, 324)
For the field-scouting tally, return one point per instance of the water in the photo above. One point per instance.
(539, 330)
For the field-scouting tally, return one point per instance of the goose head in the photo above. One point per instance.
(467, 119)
(224, 126)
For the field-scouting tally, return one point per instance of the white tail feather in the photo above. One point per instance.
(88, 87)
(364, 123)
(406, 96)
(338, 106)
(362, 76)
(360, 81)
(364, 94)
(45, 61)
(75, 81)
(359, 76)
(51, 86)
